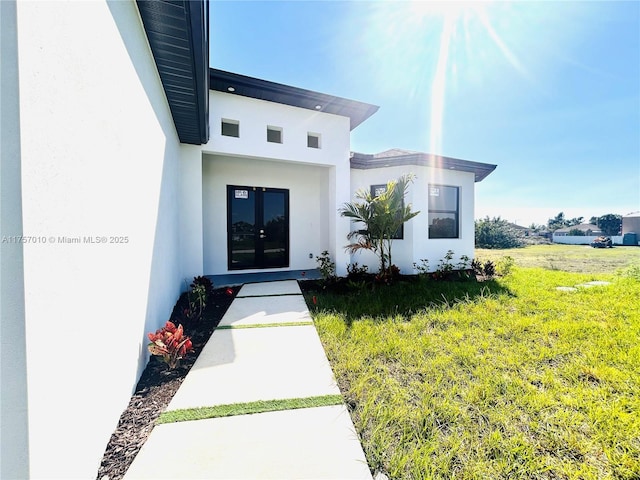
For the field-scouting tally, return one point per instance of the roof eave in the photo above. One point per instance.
(236, 84)
(480, 170)
(178, 34)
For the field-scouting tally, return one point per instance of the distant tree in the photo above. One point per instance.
(560, 221)
(576, 232)
(534, 227)
(496, 233)
(575, 221)
(593, 220)
(610, 224)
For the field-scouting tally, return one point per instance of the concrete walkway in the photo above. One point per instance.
(265, 348)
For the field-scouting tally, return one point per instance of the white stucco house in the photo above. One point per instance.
(264, 191)
(128, 166)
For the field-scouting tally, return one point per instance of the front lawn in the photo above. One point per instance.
(504, 379)
(568, 258)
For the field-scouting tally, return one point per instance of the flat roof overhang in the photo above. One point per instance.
(365, 161)
(235, 84)
(178, 33)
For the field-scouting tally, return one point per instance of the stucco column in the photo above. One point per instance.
(340, 186)
(14, 442)
(191, 240)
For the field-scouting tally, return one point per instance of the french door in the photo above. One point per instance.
(257, 227)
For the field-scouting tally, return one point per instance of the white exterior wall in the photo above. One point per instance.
(254, 116)
(100, 157)
(256, 162)
(583, 239)
(416, 244)
(308, 212)
(631, 224)
(14, 444)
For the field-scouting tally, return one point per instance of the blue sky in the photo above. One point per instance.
(548, 91)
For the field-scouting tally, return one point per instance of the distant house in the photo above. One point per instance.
(128, 167)
(587, 229)
(631, 223)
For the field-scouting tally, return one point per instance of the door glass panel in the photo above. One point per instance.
(276, 229)
(243, 222)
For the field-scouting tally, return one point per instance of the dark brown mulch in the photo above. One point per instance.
(156, 387)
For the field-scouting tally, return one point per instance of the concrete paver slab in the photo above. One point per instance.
(567, 289)
(249, 364)
(264, 310)
(286, 287)
(309, 443)
(595, 283)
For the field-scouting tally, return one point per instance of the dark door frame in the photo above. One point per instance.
(259, 238)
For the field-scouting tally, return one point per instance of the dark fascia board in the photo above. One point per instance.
(178, 33)
(480, 170)
(222, 81)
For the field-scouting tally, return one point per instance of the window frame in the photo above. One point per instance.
(271, 128)
(226, 121)
(317, 137)
(455, 212)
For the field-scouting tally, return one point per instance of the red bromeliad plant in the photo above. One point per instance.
(170, 343)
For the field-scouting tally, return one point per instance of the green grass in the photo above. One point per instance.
(508, 379)
(568, 258)
(261, 406)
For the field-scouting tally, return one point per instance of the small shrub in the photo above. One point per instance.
(326, 266)
(204, 282)
(200, 290)
(464, 262)
(445, 267)
(170, 343)
(422, 267)
(489, 269)
(197, 297)
(476, 265)
(486, 269)
(356, 272)
(504, 266)
(392, 273)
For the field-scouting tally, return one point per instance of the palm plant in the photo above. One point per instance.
(381, 216)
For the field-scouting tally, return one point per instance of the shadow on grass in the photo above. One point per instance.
(403, 298)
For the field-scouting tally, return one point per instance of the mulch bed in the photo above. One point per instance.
(157, 386)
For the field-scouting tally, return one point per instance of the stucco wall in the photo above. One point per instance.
(99, 160)
(14, 447)
(255, 115)
(583, 239)
(416, 244)
(308, 206)
(290, 164)
(631, 224)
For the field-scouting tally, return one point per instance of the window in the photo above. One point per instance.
(377, 190)
(274, 134)
(230, 128)
(313, 140)
(444, 211)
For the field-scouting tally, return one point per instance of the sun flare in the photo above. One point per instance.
(451, 9)
(439, 48)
